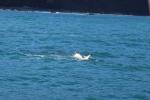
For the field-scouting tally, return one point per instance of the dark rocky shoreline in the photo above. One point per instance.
(128, 7)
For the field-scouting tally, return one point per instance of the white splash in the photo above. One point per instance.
(78, 56)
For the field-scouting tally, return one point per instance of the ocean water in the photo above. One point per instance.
(36, 60)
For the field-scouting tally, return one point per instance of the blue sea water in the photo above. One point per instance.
(36, 56)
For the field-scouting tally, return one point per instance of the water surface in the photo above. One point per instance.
(36, 56)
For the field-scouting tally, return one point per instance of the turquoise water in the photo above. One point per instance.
(36, 56)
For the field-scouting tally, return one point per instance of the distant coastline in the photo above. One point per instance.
(124, 7)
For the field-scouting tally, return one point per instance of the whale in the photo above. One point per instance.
(80, 57)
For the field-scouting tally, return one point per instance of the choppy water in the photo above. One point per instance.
(36, 56)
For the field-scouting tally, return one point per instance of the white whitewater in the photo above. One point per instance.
(78, 56)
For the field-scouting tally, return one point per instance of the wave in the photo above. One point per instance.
(47, 56)
(61, 12)
(48, 12)
(35, 55)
